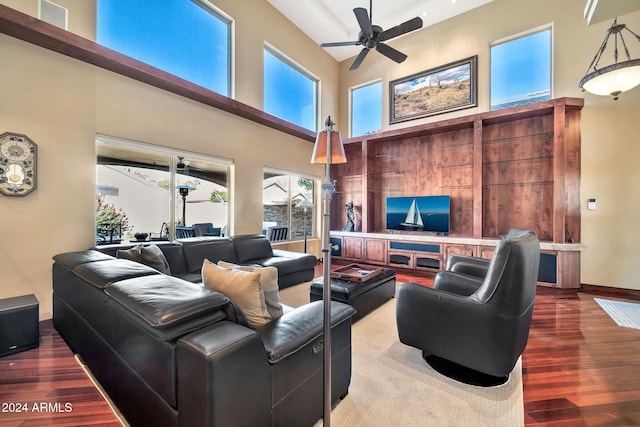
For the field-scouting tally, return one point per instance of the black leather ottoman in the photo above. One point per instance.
(363, 296)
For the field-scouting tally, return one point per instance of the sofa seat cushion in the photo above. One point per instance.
(190, 277)
(288, 262)
(150, 255)
(102, 274)
(164, 301)
(297, 328)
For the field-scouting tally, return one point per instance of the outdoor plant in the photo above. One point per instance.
(109, 219)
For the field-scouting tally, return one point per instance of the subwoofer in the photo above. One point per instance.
(19, 328)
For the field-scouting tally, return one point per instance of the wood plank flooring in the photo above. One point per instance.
(579, 369)
(47, 387)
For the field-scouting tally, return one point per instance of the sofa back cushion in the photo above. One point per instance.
(172, 252)
(213, 249)
(252, 247)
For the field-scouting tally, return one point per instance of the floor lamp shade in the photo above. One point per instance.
(320, 149)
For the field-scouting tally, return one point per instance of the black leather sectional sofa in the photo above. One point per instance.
(185, 256)
(170, 352)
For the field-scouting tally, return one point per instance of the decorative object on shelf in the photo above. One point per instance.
(351, 217)
(439, 90)
(18, 164)
(618, 77)
(329, 150)
(305, 205)
(371, 36)
(141, 237)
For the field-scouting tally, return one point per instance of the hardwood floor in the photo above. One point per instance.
(579, 368)
(46, 386)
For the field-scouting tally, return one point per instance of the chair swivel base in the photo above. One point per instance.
(462, 373)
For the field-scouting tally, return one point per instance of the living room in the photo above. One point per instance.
(63, 103)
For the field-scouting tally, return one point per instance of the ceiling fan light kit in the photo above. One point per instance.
(372, 37)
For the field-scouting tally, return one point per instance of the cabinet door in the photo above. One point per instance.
(353, 247)
(451, 249)
(376, 250)
(486, 251)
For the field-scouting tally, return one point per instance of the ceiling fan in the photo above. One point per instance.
(372, 36)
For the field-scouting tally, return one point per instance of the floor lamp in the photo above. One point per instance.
(328, 141)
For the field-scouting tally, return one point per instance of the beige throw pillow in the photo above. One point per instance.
(150, 255)
(269, 289)
(241, 287)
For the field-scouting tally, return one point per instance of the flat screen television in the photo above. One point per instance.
(419, 213)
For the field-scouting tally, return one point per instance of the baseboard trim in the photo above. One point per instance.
(608, 290)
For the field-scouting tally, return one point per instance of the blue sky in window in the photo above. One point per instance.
(521, 70)
(288, 93)
(177, 36)
(366, 109)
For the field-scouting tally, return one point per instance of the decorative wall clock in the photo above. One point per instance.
(18, 164)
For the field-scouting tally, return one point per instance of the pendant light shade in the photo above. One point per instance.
(618, 77)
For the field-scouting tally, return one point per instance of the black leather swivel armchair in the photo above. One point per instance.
(478, 322)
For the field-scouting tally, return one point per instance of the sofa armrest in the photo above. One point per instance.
(468, 265)
(297, 328)
(223, 377)
(456, 283)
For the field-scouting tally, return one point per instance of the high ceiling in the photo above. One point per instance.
(333, 20)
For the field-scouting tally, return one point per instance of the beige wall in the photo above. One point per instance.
(609, 128)
(62, 103)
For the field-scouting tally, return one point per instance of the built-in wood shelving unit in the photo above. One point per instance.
(517, 167)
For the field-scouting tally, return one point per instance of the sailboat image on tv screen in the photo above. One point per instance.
(413, 219)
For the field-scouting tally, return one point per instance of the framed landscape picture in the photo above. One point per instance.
(439, 90)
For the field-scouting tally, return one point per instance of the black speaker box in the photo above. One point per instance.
(19, 327)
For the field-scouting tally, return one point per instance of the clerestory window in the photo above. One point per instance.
(521, 69)
(290, 92)
(190, 39)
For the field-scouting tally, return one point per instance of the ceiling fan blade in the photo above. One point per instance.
(340, 44)
(359, 59)
(363, 20)
(391, 53)
(398, 30)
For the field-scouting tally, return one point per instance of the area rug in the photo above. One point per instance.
(392, 385)
(625, 314)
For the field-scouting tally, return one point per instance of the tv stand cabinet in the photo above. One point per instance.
(559, 262)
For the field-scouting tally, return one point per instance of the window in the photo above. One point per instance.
(521, 70)
(190, 39)
(366, 109)
(289, 92)
(284, 197)
(140, 188)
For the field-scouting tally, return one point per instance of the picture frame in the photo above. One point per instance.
(439, 90)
